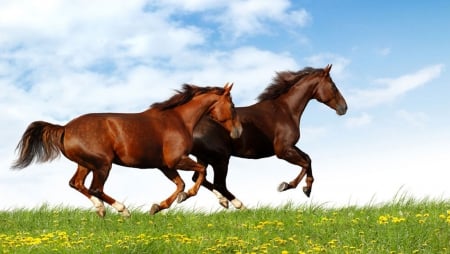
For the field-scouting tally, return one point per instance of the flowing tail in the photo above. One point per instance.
(41, 142)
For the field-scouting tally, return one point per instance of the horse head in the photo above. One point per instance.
(329, 94)
(223, 112)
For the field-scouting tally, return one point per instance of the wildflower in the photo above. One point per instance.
(355, 220)
(383, 219)
(398, 220)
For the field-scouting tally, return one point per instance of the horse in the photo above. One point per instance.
(159, 137)
(270, 127)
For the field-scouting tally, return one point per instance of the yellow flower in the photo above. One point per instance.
(383, 219)
(398, 220)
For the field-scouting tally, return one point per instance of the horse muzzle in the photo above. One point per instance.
(236, 130)
(341, 109)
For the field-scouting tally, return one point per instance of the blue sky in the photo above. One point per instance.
(60, 59)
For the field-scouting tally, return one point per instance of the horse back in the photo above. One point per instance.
(256, 141)
(128, 139)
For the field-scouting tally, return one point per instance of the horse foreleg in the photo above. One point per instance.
(223, 201)
(296, 156)
(98, 181)
(174, 177)
(187, 163)
(77, 182)
(220, 185)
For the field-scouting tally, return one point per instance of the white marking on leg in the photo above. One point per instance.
(223, 201)
(218, 194)
(118, 206)
(237, 203)
(121, 209)
(98, 204)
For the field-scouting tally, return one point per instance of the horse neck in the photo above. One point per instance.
(297, 98)
(192, 111)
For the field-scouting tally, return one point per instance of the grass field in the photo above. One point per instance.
(401, 226)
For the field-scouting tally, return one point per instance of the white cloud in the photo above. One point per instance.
(393, 88)
(239, 18)
(248, 17)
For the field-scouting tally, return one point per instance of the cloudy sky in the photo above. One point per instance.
(61, 59)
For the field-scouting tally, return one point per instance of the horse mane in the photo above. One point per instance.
(184, 95)
(283, 81)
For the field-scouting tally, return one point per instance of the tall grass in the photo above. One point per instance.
(402, 226)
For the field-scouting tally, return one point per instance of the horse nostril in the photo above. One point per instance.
(342, 109)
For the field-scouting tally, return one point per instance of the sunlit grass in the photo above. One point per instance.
(402, 226)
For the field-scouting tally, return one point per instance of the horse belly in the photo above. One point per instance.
(140, 157)
(252, 145)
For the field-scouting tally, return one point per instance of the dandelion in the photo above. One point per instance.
(398, 220)
(383, 219)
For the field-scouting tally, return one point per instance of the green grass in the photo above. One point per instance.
(401, 226)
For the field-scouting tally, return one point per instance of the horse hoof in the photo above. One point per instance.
(307, 191)
(155, 208)
(182, 196)
(237, 203)
(223, 202)
(125, 213)
(101, 212)
(283, 186)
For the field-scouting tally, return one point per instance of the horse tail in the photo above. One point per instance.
(41, 142)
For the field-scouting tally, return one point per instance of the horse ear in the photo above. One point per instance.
(328, 68)
(228, 87)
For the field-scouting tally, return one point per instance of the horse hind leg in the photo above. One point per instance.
(77, 182)
(174, 177)
(98, 181)
(223, 201)
(187, 163)
(220, 186)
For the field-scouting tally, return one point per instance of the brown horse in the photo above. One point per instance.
(270, 127)
(160, 137)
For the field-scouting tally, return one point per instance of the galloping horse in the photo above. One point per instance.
(270, 127)
(160, 137)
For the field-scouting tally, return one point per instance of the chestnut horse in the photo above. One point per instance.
(270, 127)
(160, 137)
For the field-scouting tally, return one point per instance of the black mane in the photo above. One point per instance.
(283, 81)
(186, 94)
